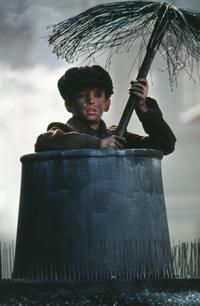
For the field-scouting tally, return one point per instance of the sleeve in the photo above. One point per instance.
(57, 139)
(160, 135)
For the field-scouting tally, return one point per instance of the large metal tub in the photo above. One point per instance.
(92, 214)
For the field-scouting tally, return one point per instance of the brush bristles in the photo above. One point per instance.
(114, 27)
(183, 262)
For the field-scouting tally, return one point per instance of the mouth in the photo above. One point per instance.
(91, 111)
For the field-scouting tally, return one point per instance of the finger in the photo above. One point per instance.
(113, 143)
(110, 146)
(118, 145)
(120, 139)
(139, 85)
(139, 93)
(112, 128)
(138, 88)
(120, 142)
(142, 81)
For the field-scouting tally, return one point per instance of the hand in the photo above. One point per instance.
(112, 129)
(140, 88)
(112, 142)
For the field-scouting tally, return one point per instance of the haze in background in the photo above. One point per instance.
(30, 101)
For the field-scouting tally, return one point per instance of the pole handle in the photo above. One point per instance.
(153, 45)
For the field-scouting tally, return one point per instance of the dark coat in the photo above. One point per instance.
(75, 134)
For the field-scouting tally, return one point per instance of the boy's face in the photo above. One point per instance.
(89, 105)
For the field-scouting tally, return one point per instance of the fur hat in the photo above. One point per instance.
(84, 75)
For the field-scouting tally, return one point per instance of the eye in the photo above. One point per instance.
(80, 95)
(98, 93)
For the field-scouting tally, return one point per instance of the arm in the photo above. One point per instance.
(160, 136)
(60, 137)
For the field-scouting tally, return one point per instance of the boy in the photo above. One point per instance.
(86, 92)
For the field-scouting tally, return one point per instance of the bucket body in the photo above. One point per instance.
(92, 214)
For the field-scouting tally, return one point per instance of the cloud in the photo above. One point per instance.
(24, 33)
(16, 33)
(29, 102)
(23, 29)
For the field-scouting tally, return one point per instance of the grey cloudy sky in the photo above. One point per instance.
(29, 101)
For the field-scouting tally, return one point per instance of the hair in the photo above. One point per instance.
(77, 77)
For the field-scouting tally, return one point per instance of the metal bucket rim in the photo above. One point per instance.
(91, 153)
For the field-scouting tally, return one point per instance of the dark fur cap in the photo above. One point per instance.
(84, 75)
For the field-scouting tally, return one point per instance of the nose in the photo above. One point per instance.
(90, 98)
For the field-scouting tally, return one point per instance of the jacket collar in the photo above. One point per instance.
(80, 126)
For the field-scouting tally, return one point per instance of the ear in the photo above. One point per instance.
(107, 105)
(68, 106)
